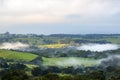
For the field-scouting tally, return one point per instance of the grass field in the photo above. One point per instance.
(69, 61)
(113, 40)
(7, 54)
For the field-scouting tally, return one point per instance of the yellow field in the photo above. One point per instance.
(54, 46)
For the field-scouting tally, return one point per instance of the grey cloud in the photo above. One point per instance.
(17, 11)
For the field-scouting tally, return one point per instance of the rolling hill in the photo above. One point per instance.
(14, 55)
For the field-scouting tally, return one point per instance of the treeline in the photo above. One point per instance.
(55, 38)
(7, 34)
(72, 52)
(19, 72)
(84, 35)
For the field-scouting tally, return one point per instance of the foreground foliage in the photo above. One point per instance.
(94, 75)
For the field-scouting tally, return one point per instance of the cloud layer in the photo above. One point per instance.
(98, 47)
(52, 11)
(14, 46)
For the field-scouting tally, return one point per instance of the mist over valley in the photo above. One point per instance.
(66, 54)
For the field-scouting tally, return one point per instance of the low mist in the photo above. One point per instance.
(111, 60)
(76, 62)
(69, 62)
(98, 47)
(14, 46)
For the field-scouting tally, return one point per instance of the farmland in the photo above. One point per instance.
(13, 55)
(115, 40)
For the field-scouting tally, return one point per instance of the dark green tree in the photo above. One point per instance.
(15, 75)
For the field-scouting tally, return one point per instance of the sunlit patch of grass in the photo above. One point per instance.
(14, 55)
(54, 46)
(31, 66)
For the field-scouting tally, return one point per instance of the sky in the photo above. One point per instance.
(60, 16)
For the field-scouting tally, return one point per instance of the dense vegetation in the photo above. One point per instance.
(18, 72)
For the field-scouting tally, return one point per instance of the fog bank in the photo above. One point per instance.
(111, 60)
(76, 61)
(15, 46)
(98, 47)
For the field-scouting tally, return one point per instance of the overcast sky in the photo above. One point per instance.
(60, 16)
